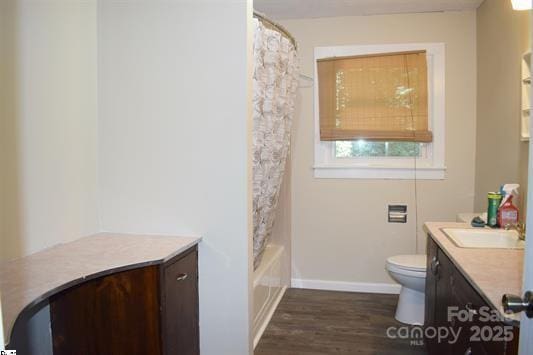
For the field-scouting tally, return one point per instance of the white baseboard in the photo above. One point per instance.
(365, 287)
(269, 315)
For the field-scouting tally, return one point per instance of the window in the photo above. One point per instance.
(379, 111)
(362, 148)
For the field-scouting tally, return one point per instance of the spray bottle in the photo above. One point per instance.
(507, 212)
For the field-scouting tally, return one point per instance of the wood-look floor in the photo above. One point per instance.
(312, 322)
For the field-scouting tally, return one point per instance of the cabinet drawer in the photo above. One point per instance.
(179, 300)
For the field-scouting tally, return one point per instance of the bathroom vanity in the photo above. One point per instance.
(104, 294)
(464, 287)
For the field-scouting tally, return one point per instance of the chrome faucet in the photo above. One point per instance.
(520, 228)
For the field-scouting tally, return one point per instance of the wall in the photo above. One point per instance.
(48, 186)
(339, 228)
(501, 156)
(2, 345)
(8, 178)
(173, 146)
(48, 144)
(175, 132)
(9, 206)
(48, 127)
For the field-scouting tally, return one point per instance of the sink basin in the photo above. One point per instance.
(484, 238)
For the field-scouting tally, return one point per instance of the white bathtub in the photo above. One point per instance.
(267, 289)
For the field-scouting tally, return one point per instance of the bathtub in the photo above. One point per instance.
(267, 289)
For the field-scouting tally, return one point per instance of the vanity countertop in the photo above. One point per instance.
(467, 217)
(492, 272)
(27, 281)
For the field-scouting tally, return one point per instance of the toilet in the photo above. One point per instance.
(410, 272)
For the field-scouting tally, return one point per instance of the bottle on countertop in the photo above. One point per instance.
(508, 213)
(495, 198)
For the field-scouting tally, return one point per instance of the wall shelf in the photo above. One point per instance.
(526, 97)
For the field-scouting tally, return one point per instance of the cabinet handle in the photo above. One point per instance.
(468, 351)
(181, 277)
(434, 265)
(470, 308)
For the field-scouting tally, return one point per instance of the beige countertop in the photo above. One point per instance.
(29, 280)
(467, 217)
(492, 272)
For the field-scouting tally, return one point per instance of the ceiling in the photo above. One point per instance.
(290, 9)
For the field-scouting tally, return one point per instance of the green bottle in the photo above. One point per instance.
(495, 198)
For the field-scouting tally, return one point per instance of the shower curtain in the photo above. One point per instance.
(275, 81)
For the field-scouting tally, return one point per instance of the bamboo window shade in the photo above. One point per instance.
(381, 97)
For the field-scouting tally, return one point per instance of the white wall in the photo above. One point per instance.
(49, 126)
(171, 97)
(174, 129)
(339, 227)
(48, 130)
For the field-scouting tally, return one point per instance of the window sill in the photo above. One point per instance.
(379, 173)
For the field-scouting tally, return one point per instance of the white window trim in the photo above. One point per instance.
(430, 167)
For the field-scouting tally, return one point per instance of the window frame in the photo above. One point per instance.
(430, 166)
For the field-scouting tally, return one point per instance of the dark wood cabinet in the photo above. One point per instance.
(431, 294)
(147, 310)
(439, 276)
(449, 294)
(179, 301)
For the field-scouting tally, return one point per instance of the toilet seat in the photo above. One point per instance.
(413, 263)
(416, 274)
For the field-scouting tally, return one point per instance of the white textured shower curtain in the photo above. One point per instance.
(275, 82)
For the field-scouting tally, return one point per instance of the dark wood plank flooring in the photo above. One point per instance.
(312, 322)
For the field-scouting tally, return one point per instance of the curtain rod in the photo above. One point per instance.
(276, 26)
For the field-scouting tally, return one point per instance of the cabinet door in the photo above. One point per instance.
(431, 283)
(438, 274)
(111, 315)
(434, 301)
(482, 332)
(180, 305)
(443, 298)
(465, 302)
(447, 287)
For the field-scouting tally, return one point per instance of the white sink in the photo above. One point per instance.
(484, 238)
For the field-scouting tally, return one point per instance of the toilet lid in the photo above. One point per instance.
(409, 262)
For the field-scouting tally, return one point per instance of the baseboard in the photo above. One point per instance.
(269, 315)
(365, 287)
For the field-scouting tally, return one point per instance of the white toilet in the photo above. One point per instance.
(410, 272)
